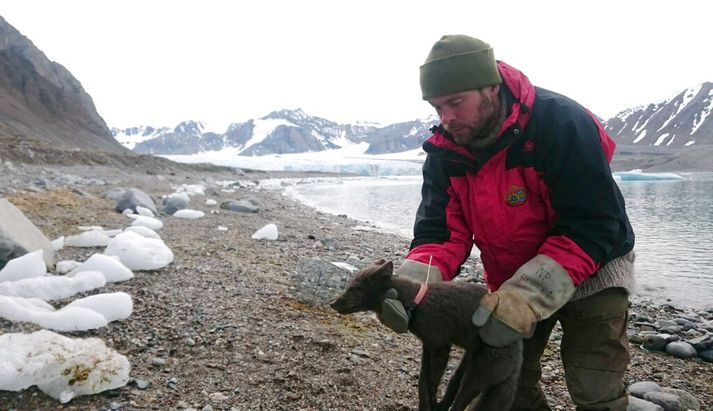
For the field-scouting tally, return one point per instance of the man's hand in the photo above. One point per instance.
(536, 291)
(393, 314)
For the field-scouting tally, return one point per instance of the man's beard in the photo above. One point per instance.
(474, 135)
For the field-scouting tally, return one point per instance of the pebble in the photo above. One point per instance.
(217, 397)
(158, 362)
(141, 384)
(173, 383)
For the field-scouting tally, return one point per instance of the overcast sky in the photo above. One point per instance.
(152, 62)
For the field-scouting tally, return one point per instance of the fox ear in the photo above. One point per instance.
(386, 267)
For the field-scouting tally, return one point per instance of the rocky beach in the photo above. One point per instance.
(235, 323)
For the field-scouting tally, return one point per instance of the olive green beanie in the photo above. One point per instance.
(458, 63)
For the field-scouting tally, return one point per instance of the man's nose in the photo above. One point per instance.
(446, 116)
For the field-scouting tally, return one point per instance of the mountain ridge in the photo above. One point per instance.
(40, 99)
(660, 135)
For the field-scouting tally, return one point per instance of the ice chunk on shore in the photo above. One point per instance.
(61, 367)
(26, 266)
(58, 243)
(144, 211)
(53, 287)
(65, 266)
(36, 311)
(139, 253)
(188, 213)
(112, 306)
(269, 232)
(148, 222)
(638, 175)
(143, 231)
(191, 189)
(84, 314)
(92, 238)
(110, 266)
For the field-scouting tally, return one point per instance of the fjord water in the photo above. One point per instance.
(673, 222)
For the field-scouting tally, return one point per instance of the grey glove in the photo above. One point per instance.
(393, 313)
(418, 272)
(537, 290)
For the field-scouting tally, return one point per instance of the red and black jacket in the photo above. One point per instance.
(544, 187)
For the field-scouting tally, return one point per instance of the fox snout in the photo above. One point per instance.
(341, 305)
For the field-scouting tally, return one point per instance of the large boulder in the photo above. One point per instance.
(18, 236)
(317, 282)
(134, 197)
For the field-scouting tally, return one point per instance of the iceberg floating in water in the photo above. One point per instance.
(638, 175)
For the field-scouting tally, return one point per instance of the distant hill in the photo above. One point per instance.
(682, 120)
(40, 99)
(667, 135)
(280, 132)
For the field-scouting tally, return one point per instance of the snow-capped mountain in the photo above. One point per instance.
(671, 124)
(129, 137)
(681, 120)
(280, 132)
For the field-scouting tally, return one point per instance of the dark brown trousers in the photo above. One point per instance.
(594, 349)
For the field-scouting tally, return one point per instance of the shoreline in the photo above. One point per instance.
(223, 316)
(643, 296)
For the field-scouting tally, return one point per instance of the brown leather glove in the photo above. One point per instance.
(536, 291)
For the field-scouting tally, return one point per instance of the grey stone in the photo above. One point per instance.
(656, 342)
(635, 338)
(141, 384)
(637, 404)
(644, 318)
(685, 323)
(702, 343)
(18, 236)
(688, 401)
(638, 389)
(671, 329)
(114, 194)
(681, 349)
(241, 206)
(171, 204)
(134, 197)
(706, 355)
(669, 402)
(665, 323)
(318, 282)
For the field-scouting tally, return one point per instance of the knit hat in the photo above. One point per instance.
(458, 63)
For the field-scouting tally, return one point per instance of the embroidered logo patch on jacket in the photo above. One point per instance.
(517, 196)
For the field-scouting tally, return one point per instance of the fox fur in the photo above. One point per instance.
(442, 319)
